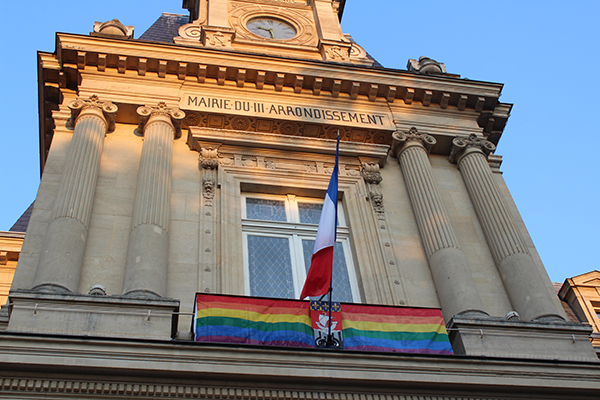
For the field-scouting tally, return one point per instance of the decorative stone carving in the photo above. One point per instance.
(217, 37)
(305, 129)
(459, 144)
(208, 191)
(209, 162)
(335, 51)
(270, 164)
(109, 110)
(97, 290)
(400, 138)
(371, 175)
(358, 55)
(288, 128)
(113, 28)
(209, 157)
(191, 31)
(426, 65)
(174, 114)
(240, 123)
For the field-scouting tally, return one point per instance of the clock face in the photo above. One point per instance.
(271, 28)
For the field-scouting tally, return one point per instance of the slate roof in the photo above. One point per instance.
(165, 28)
(23, 221)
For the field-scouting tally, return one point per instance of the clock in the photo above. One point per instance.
(271, 28)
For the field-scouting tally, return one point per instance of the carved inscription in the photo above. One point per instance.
(216, 104)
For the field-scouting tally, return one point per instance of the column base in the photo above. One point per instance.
(497, 337)
(92, 315)
(473, 314)
(142, 294)
(549, 318)
(51, 288)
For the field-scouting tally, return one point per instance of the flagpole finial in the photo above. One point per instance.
(338, 135)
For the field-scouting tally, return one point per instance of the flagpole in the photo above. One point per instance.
(336, 171)
(329, 338)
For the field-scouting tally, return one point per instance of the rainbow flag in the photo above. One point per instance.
(394, 329)
(278, 322)
(252, 320)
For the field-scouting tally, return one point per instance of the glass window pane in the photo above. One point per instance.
(310, 213)
(340, 279)
(270, 267)
(265, 210)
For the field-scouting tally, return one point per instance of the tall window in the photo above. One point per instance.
(279, 237)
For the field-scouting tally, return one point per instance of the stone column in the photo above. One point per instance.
(148, 249)
(451, 275)
(59, 266)
(522, 279)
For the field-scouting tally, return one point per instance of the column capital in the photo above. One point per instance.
(173, 116)
(209, 157)
(93, 105)
(412, 137)
(371, 174)
(461, 144)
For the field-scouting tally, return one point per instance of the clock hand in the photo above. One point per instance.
(270, 30)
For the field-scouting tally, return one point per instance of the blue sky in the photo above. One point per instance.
(546, 53)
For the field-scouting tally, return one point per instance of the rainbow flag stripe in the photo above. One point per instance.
(250, 320)
(394, 329)
(277, 322)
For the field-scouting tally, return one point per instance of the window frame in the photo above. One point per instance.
(296, 232)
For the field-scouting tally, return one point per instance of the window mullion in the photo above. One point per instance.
(246, 261)
(294, 213)
(298, 264)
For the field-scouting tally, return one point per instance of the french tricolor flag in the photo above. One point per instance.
(318, 280)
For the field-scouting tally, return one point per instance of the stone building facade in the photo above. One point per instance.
(157, 150)
(10, 249)
(582, 295)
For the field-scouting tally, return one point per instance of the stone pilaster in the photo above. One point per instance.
(208, 274)
(451, 275)
(59, 266)
(522, 279)
(147, 254)
(390, 282)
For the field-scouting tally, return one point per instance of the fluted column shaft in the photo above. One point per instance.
(452, 277)
(522, 279)
(147, 255)
(61, 258)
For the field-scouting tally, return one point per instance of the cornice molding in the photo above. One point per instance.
(182, 366)
(197, 136)
(182, 61)
(174, 64)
